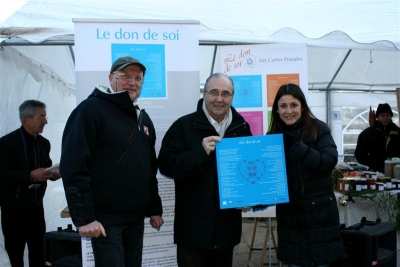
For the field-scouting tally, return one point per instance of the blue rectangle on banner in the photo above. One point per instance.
(152, 56)
(251, 171)
(248, 91)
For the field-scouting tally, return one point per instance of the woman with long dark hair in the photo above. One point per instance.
(308, 226)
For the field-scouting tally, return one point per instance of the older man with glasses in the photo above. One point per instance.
(205, 234)
(24, 157)
(109, 167)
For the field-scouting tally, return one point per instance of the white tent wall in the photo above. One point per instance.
(30, 73)
(340, 100)
(362, 69)
(325, 23)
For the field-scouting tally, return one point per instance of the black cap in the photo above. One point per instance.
(123, 62)
(382, 108)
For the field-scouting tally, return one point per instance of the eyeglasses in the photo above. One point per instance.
(41, 118)
(126, 77)
(216, 94)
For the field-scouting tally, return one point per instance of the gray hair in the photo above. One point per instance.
(28, 108)
(218, 75)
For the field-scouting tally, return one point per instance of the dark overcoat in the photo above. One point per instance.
(308, 226)
(199, 221)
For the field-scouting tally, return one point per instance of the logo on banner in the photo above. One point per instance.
(236, 61)
(252, 170)
(249, 61)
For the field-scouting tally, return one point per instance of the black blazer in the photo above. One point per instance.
(16, 162)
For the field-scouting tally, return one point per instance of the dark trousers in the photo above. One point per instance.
(122, 247)
(21, 227)
(194, 257)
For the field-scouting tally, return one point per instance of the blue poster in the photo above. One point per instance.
(251, 171)
(248, 91)
(153, 58)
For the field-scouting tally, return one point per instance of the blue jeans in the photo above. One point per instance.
(122, 247)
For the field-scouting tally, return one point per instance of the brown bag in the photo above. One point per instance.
(371, 117)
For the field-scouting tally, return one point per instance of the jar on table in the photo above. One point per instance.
(358, 185)
(396, 171)
(390, 164)
(388, 184)
(380, 186)
(346, 184)
(395, 184)
(340, 185)
(371, 183)
(364, 185)
(381, 180)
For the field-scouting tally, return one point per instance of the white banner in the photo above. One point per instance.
(257, 72)
(170, 52)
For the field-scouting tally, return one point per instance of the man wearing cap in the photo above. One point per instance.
(108, 165)
(380, 141)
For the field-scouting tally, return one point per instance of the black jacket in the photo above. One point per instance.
(199, 222)
(377, 143)
(16, 163)
(108, 161)
(308, 226)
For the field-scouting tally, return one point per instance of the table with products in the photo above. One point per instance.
(367, 197)
(361, 193)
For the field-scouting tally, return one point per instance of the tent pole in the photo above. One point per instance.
(72, 53)
(328, 94)
(398, 100)
(213, 60)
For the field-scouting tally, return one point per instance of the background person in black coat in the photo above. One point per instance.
(24, 156)
(380, 141)
(308, 226)
(205, 234)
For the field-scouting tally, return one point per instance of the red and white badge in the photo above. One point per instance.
(145, 129)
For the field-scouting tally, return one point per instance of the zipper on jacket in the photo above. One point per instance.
(242, 124)
(140, 119)
(19, 187)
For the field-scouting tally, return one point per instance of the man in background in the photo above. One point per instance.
(379, 141)
(24, 157)
(205, 234)
(109, 167)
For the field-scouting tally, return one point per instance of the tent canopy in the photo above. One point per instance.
(369, 29)
(369, 24)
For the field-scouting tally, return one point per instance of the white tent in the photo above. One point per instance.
(353, 53)
(370, 27)
(364, 24)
